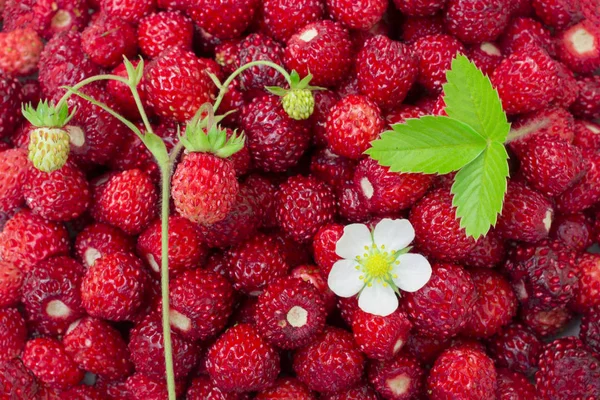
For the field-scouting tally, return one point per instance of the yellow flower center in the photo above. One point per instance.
(376, 265)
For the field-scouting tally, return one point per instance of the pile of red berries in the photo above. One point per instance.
(251, 312)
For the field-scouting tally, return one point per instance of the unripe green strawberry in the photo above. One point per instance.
(299, 103)
(49, 148)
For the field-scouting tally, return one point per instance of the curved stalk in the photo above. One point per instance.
(87, 81)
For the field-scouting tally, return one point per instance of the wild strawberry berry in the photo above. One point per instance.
(11, 280)
(351, 203)
(359, 392)
(419, 8)
(287, 388)
(558, 14)
(18, 379)
(282, 18)
(348, 307)
(49, 362)
(396, 67)
(226, 19)
(332, 169)
(324, 243)
(290, 313)
(241, 361)
(99, 348)
(496, 304)
(400, 378)
(304, 204)
(486, 56)
(579, 47)
(586, 104)
(189, 86)
(14, 168)
(442, 317)
(60, 195)
(437, 231)
(13, 334)
(202, 388)
(200, 304)
(129, 10)
(513, 385)
(516, 347)
(462, 372)
(476, 21)
(526, 80)
(332, 363)
(362, 16)
(546, 323)
(126, 200)
(257, 47)
(141, 386)
(381, 338)
(488, 252)
(107, 40)
(313, 275)
(352, 123)
(147, 351)
(298, 104)
(435, 54)
(414, 28)
(388, 192)
(255, 263)
(587, 294)
(587, 135)
(50, 239)
(21, 52)
(590, 329)
(60, 16)
(163, 30)
(10, 102)
(523, 32)
(583, 378)
(526, 215)
(321, 48)
(186, 248)
(586, 192)
(48, 148)
(113, 288)
(97, 240)
(573, 230)
(568, 89)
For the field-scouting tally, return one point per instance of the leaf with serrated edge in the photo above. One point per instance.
(471, 98)
(428, 145)
(479, 190)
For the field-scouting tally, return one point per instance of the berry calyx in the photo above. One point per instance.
(297, 101)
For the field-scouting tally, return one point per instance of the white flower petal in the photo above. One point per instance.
(413, 272)
(353, 241)
(378, 299)
(344, 279)
(395, 234)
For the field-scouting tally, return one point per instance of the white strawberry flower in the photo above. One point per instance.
(377, 264)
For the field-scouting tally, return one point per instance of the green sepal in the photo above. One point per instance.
(276, 90)
(215, 79)
(46, 115)
(157, 147)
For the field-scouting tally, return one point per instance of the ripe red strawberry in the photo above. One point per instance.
(304, 204)
(99, 348)
(415, 28)
(332, 363)
(17, 379)
(275, 140)
(11, 280)
(573, 230)
(486, 56)
(51, 295)
(10, 101)
(400, 114)
(200, 303)
(552, 166)
(558, 14)
(523, 32)
(108, 39)
(546, 323)
(526, 80)
(324, 100)
(324, 243)
(202, 388)
(443, 306)
(49, 362)
(97, 240)
(241, 361)
(359, 392)
(128, 10)
(516, 347)
(362, 15)
(113, 288)
(513, 386)
(587, 103)
(331, 168)
(476, 21)
(587, 294)
(13, 167)
(290, 313)
(226, 56)
(313, 275)
(526, 215)
(186, 249)
(586, 192)
(590, 329)
(579, 47)
(255, 263)
(488, 252)
(13, 334)
(189, 86)
(437, 231)
(352, 123)
(282, 18)
(567, 371)
(163, 30)
(20, 52)
(323, 49)
(381, 338)
(400, 378)
(147, 351)
(587, 135)
(50, 239)
(462, 372)
(126, 200)
(257, 47)
(287, 388)
(435, 54)
(58, 196)
(568, 89)
(419, 8)
(496, 304)
(348, 306)
(225, 19)
(144, 387)
(55, 16)
(351, 203)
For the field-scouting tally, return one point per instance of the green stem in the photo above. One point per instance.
(140, 106)
(87, 82)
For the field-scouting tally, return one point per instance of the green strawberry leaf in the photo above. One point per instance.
(428, 145)
(471, 98)
(479, 190)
